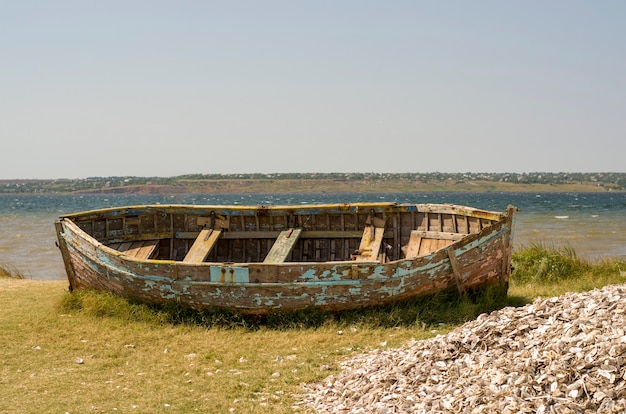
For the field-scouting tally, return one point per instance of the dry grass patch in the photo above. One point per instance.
(62, 357)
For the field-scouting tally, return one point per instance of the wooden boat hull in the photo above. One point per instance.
(328, 264)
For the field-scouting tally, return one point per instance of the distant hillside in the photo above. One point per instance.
(329, 182)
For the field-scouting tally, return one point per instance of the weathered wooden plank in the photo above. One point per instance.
(148, 249)
(202, 246)
(125, 246)
(371, 242)
(413, 247)
(119, 239)
(332, 234)
(140, 249)
(458, 210)
(219, 222)
(115, 246)
(456, 269)
(273, 234)
(65, 253)
(283, 246)
(439, 235)
(427, 246)
(474, 225)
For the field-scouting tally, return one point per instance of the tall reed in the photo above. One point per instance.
(8, 271)
(541, 270)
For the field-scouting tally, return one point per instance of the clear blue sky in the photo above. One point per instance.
(164, 88)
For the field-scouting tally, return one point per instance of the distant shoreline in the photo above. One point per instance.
(353, 186)
(332, 183)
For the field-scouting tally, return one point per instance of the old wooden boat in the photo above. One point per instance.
(260, 259)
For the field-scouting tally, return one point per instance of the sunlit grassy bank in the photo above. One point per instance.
(542, 270)
(93, 352)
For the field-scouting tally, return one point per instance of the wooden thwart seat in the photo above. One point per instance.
(370, 242)
(143, 249)
(202, 246)
(422, 243)
(283, 245)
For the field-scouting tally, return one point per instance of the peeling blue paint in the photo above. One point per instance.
(230, 274)
(168, 292)
(355, 291)
(408, 269)
(257, 299)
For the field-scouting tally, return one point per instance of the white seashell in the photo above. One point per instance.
(554, 387)
(607, 374)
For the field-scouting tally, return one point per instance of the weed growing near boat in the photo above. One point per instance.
(539, 263)
(104, 304)
(7, 271)
(541, 270)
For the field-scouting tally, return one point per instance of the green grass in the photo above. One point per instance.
(95, 352)
(542, 270)
(446, 308)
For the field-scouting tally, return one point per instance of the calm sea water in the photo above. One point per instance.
(593, 224)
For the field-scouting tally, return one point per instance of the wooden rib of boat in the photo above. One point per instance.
(260, 259)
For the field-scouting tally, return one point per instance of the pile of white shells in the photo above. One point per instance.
(556, 355)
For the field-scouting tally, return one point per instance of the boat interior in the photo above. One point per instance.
(275, 236)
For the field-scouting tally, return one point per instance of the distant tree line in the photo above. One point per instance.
(612, 181)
